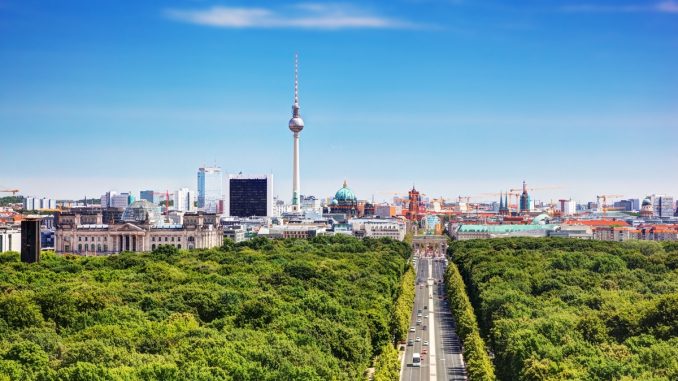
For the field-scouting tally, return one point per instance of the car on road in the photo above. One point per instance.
(412, 329)
(416, 359)
(418, 321)
(425, 343)
(419, 314)
(418, 339)
(410, 342)
(425, 316)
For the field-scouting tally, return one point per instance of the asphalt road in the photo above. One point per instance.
(443, 359)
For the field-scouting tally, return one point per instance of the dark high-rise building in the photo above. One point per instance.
(250, 196)
(525, 200)
(30, 240)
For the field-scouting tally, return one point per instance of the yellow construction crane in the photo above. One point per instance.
(604, 197)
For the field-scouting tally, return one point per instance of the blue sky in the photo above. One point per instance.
(459, 97)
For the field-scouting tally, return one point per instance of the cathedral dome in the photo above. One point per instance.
(345, 194)
(647, 201)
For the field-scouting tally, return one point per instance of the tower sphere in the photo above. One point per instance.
(296, 124)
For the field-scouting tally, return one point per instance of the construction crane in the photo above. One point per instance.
(604, 206)
(467, 198)
(12, 191)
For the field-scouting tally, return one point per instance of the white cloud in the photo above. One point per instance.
(668, 6)
(303, 15)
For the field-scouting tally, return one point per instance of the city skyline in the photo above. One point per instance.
(581, 96)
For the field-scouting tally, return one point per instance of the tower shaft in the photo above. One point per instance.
(296, 183)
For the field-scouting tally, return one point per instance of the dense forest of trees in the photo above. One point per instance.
(478, 364)
(262, 310)
(561, 309)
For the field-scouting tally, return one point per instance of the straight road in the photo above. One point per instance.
(441, 359)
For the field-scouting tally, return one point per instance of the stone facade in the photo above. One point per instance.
(198, 231)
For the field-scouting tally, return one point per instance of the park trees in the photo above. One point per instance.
(558, 309)
(261, 310)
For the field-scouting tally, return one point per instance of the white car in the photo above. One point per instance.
(412, 329)
(419, 315)
(418, 339)
(425, 316)
(425, 343)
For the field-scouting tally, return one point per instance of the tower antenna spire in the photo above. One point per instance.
(296, 84)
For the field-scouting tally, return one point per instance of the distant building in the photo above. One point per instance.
(378, 228)
(234, 233)
(114, 199)
(525, 200)
(311, 203)
(614, 233)
(249, 196)
(210, 189)
(568, 207)
(632, 204)
(572, 231)
(10, 239)
(465, 232)
(32, 203)
(141, 229)
(647, 209)
(184, 200)
(504, 209)
(345, 201)
(47, 239)
(414, 205)
(663, 206)
(387, 211)
(303, 231)
(150, 196)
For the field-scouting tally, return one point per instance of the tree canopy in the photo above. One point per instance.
(316, 309)
(558, 309)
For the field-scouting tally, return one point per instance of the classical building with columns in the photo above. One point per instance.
(141, 228)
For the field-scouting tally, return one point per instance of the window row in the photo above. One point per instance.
(92, 247)
(167, 239)
(98, 239)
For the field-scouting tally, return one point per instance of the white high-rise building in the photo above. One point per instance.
(184, 200)
(29, 203)
(211, 189)
(32, 203)
(568, 207)
(114, 199)
(296, 124)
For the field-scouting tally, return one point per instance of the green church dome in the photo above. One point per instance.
(345, 194)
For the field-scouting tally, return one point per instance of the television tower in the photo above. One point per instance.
(296, 125)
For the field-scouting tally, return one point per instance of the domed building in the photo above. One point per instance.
(140, 228)
(646, 209)
(345, 201)
(142, 212)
